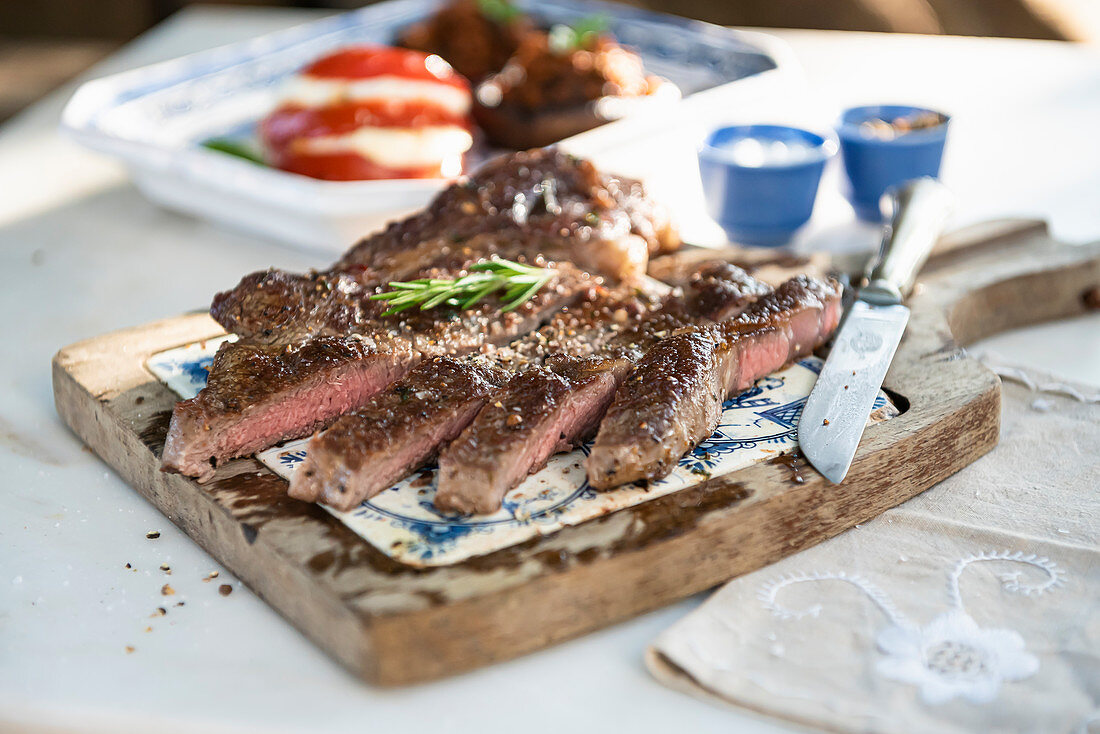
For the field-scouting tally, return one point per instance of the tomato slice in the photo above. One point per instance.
(295, 121)
(351, 167)
(364, 62)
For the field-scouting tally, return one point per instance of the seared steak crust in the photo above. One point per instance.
(671, 392)
(719, 291)
(585, 328)
(277, 306)
(673, 398)
(396, 432)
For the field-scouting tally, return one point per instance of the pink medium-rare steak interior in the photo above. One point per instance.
(315, 385)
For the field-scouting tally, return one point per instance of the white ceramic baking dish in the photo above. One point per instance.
(155, 118)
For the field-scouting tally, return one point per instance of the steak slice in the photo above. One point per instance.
(277, 306)
(259, 394)
(396, 432)
(541, 412)
(672, 400)
(544, 411)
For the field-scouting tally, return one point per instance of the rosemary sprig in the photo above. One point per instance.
(518, 282)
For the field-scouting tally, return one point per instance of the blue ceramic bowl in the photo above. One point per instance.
(760, 199)
(874, 164)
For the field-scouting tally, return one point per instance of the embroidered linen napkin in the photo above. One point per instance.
(974, 607)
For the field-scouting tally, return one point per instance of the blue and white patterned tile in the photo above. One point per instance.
(184, 369)
(403, 523)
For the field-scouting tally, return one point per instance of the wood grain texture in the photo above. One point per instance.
(393, 624)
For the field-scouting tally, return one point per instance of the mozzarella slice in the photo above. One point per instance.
(395, 147)
(311, 91)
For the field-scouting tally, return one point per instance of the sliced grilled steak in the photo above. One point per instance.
(400, 429)
(260, 394)
(527, 206)
(540, 412)
(673, 398)
(545, 196)
(544, 411)
(619, 323)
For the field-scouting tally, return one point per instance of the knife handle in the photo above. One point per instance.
(921, 208)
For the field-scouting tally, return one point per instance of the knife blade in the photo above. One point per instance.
(836, 412)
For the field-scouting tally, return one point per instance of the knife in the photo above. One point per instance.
(837, 409)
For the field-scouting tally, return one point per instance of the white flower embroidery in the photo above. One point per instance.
(952, 656)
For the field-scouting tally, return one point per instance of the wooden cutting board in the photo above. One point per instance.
(393, 624)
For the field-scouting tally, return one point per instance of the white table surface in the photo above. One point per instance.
(81, 253)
